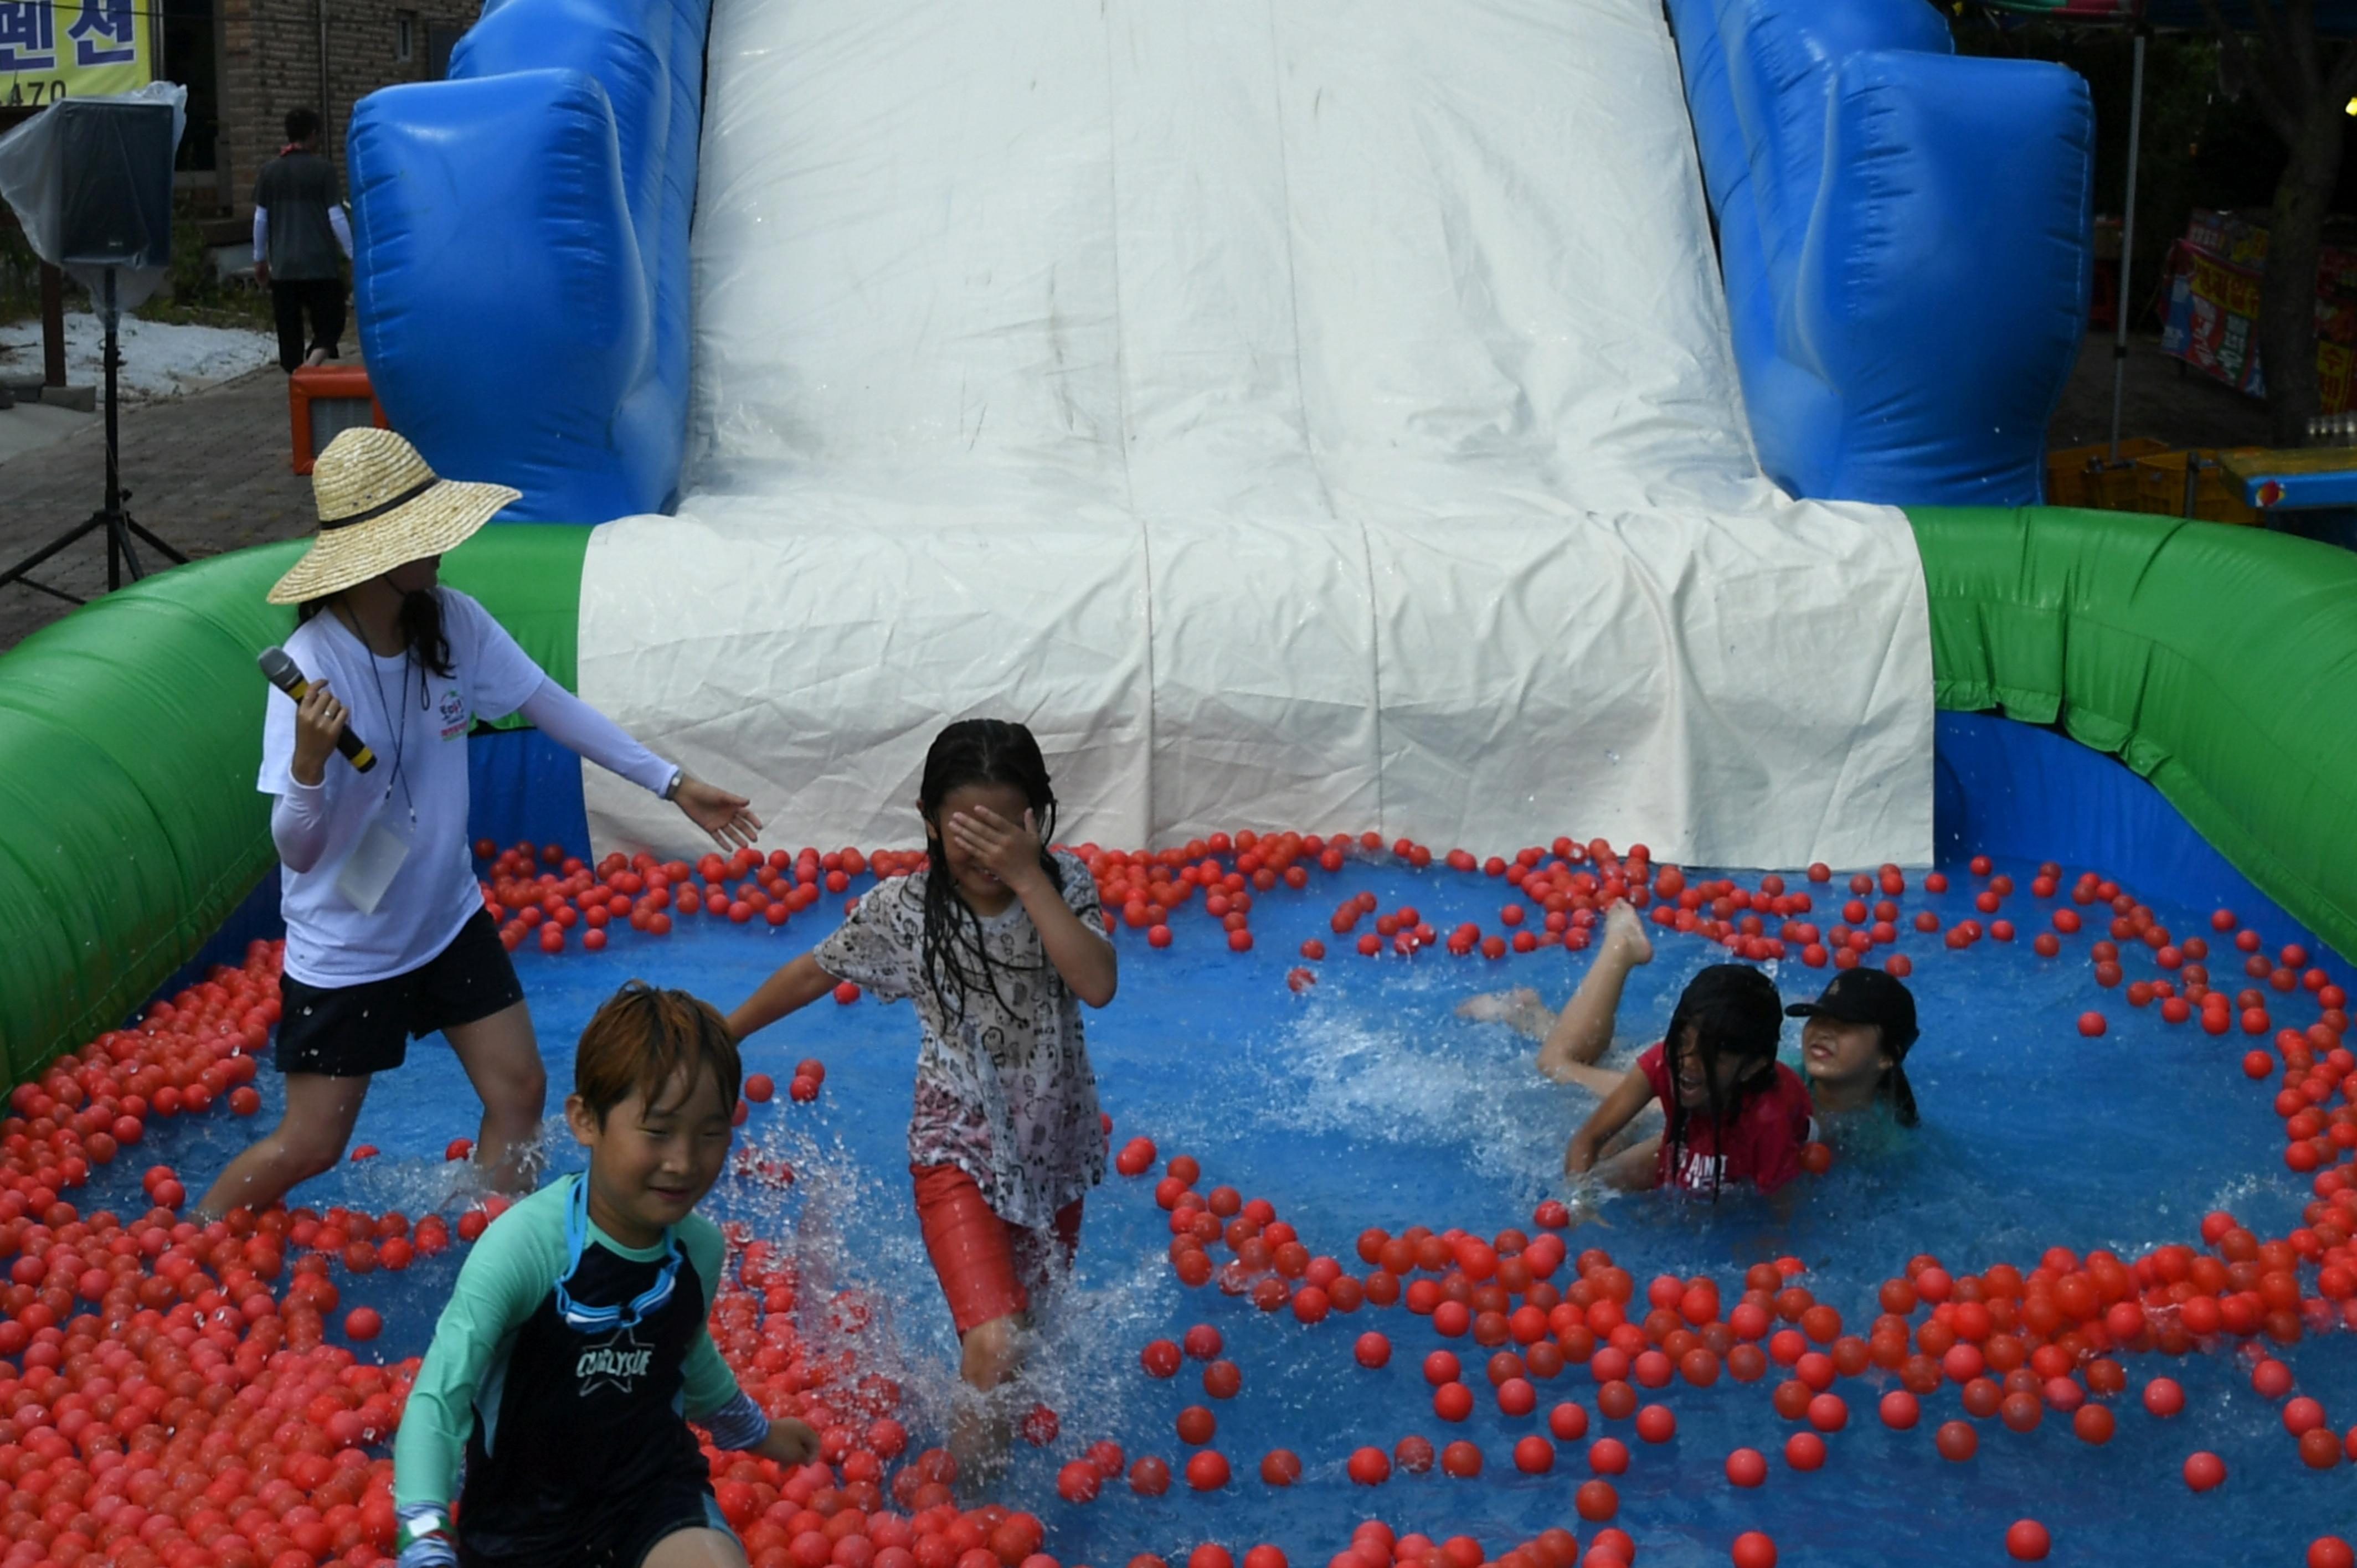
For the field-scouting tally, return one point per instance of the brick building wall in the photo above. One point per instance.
(269, 63)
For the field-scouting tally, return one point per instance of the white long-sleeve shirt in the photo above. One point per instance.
(416, 724)
(335, 220)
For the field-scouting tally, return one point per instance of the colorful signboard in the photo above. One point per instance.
(2213, 324)
(73, 48)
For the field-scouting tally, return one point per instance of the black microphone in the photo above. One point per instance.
(284, 674)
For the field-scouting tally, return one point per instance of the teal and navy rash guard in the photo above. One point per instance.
(559, 1426)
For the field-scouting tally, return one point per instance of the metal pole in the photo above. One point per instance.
(53, 325)
(2127, 243)
(115, 543)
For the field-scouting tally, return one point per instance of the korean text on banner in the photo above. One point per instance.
(73, 48)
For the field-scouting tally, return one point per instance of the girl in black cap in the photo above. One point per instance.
(1853, 1047)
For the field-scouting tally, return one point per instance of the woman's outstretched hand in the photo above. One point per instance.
(727, 818)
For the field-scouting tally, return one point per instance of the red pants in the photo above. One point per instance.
(987, 1266)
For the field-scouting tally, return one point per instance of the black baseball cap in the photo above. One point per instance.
(1865, 995)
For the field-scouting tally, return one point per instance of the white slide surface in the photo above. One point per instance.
(1310, 413)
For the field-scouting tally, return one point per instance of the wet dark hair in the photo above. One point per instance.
(302, 124)
(975, 751)
(644, 1040)
(1730, 1011)
(1893, 1085)
(421, 627)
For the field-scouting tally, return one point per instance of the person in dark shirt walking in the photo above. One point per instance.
(301, 240)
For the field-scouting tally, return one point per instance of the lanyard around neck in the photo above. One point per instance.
(594, 1319)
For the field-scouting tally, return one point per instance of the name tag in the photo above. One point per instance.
(372, 867)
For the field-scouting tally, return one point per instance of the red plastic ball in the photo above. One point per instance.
(1804, 1451)
(1753, 1549)
(1079, 1482)
(1747, 1467)
(363, 1322)
(1207, 1471)
(1373, 1349)
(2204, 1471)
(2026, 1540)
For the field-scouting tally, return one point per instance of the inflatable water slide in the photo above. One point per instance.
(1449, 421)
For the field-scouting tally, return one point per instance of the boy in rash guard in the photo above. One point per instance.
(574, 1352)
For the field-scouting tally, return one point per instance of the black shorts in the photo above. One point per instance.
(622, 1536)
(351, 1031)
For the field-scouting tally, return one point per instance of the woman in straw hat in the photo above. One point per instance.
(386, 933)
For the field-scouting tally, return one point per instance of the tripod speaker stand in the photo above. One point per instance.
(114, 166)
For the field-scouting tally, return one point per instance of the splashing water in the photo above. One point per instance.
(1362, 1099)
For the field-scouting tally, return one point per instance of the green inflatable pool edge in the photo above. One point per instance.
(2207, 658)
(2219, 663)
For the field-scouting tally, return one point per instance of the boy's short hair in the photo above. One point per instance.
(302, 124)
(643, 1038)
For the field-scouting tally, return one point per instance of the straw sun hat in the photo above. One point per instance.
(380, 507)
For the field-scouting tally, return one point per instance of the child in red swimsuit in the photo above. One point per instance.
(1732, 1112)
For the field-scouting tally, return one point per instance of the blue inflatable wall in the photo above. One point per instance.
(1903, 236)
(1904, 240)
(521, 240)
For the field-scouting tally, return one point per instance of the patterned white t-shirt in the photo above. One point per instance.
(1005, 1090)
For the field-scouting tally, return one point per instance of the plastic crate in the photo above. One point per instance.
(2075, 475)
(2217, 496)
(325, 401)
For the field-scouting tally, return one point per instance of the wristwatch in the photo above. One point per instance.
(678, 777)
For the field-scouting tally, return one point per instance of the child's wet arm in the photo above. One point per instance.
(794, 986)
(1616, 1110)
(1081, 956)
(502, 1283)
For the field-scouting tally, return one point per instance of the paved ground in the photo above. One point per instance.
(209, 471)
(28, 426)
(2163, 400)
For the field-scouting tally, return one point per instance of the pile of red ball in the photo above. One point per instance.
(175, 1401)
